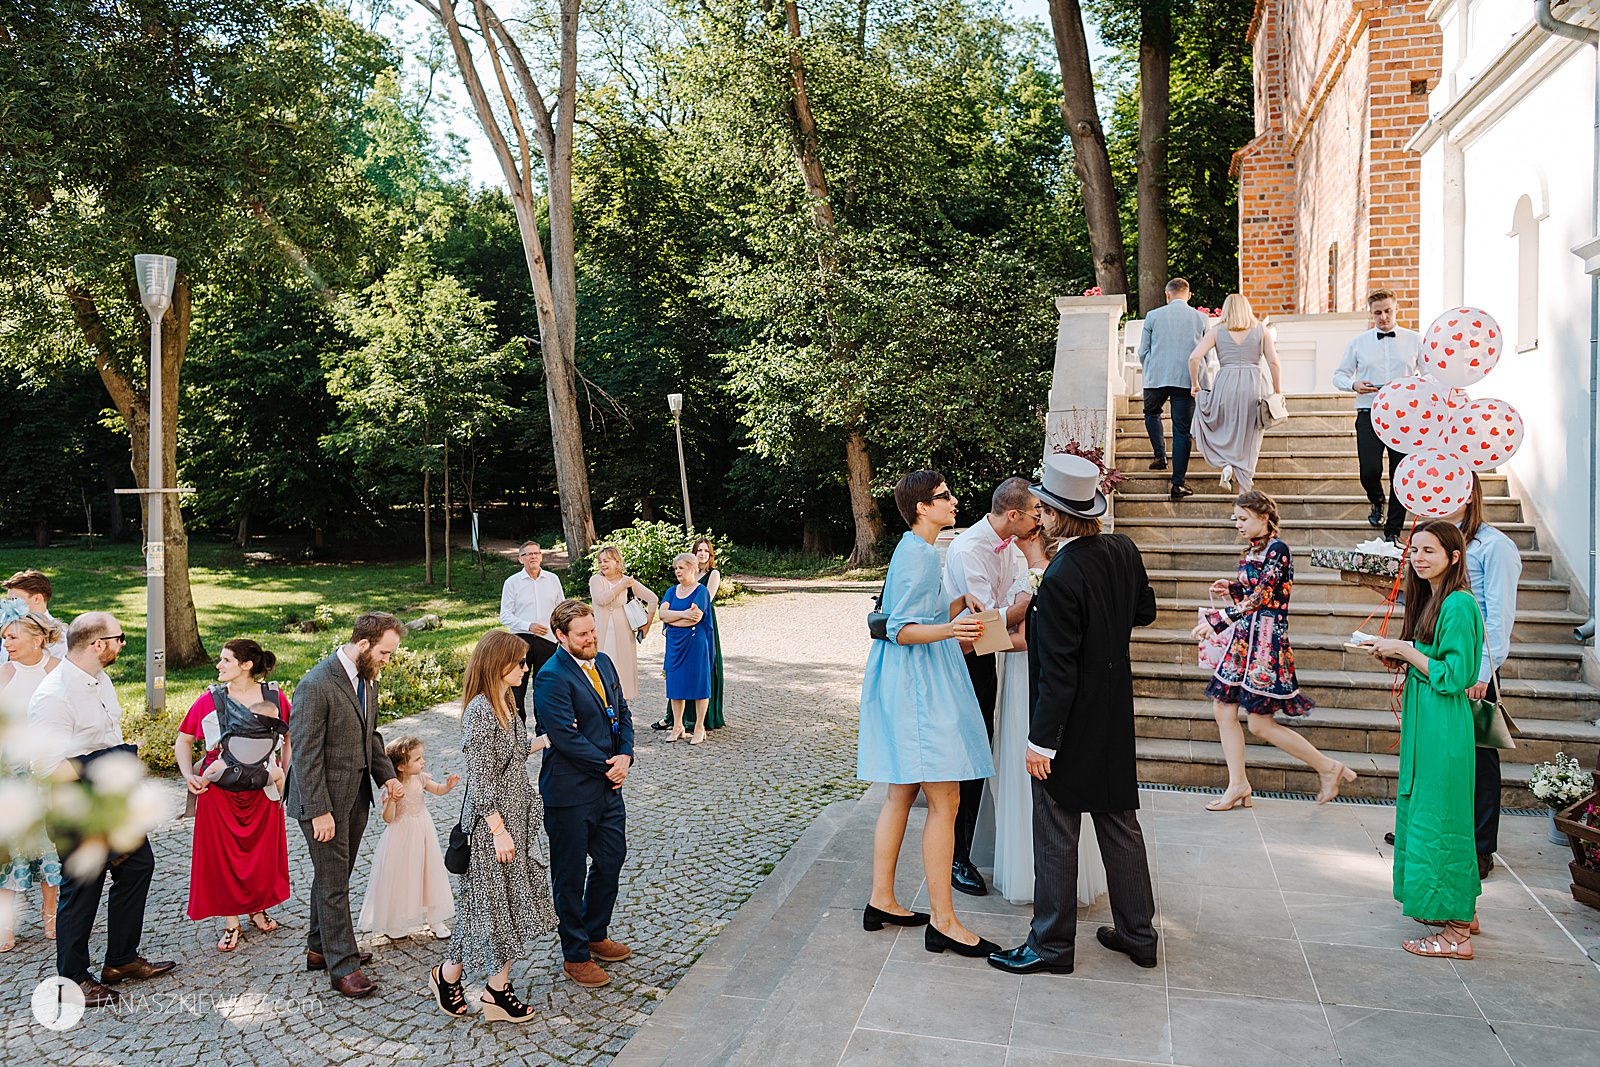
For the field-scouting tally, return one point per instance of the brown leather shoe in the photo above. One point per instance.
(609, 950)
(316, 961)
(139, 968)
(587, 974)
(355, 985)
(96, 995)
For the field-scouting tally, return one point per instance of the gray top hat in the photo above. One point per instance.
(1071, 484)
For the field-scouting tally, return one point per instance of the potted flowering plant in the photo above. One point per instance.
(1580, 821)
(1559, 783)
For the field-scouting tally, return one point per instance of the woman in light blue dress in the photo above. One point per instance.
(921, 729)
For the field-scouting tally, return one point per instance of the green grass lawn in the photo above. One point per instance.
(240, 597)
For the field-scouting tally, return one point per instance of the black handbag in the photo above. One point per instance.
(459, 852)
(878, 620)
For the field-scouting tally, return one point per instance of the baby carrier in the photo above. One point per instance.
(247, 740)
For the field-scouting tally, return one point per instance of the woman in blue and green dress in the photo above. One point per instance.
(1435, 858)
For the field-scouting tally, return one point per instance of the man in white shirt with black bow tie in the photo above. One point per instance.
(1372, 360)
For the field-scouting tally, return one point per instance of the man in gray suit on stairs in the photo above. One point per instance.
(337, 758)
(1170, 334)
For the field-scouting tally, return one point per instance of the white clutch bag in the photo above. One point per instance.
(634, 611)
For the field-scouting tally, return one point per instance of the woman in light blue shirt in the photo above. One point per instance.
(921, 730)
(1494, 567)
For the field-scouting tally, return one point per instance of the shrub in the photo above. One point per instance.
(155, 735)
(648, 549)
(417, 679)
(294, 621)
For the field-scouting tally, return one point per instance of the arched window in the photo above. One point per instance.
(1525, 228)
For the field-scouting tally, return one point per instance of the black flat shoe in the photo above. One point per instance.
(1023, 960)
(1485, 865)
(1375, 516)
(1179, 492)
(661, 724)
(1388, 838)
(1108, 936)
(1158, 465)
(965, 877)
(934, 941)
(875, 918)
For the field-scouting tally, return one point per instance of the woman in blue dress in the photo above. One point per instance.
(686, 610)
(921, 729)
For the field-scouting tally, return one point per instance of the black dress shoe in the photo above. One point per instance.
(1485, 865)
(1158, 465)
(875, 918)
(1023, 960)
(1179, 492)
(316, 961)
(1375, 516)
(1108, 936)
(1388, 838)
(965, 877)
(934, 941)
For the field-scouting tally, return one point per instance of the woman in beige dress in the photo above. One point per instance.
(1227, 420)
(609, 591)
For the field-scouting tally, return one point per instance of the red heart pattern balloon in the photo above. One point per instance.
(1433, 484)
(1461, 346)
(1484, 433)
(1411, 415)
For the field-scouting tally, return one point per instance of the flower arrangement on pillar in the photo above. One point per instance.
(1080, 432)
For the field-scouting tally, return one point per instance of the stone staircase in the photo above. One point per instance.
(1308, 464)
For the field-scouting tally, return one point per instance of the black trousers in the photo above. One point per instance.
(1486, 793)
(1055, 877)
(588, 843)
(539, 651)
(80, 900)
(986, 684)
(1369, 453)
(1182, 404)
(332, 932)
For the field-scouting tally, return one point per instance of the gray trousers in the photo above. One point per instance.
(332, 932)
(1055, 877)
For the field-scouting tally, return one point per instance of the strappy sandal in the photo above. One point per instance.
(1475, 928)
(230, 939)
(1441, 945)
(8, 940)
(450, 996)
(49, 925)
(271, 923)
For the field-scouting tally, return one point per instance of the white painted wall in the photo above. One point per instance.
(1519, 110)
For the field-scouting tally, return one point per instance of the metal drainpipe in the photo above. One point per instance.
(1549, 23)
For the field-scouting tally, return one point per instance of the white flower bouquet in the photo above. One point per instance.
(1560, 782)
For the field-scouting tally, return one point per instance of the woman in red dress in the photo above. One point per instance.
(240, 861)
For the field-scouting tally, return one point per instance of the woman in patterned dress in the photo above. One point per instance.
(1257, 671)
(504, 898)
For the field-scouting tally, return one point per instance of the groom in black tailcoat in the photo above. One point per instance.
(1080, 737)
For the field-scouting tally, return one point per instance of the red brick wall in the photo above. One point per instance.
(1327, 169)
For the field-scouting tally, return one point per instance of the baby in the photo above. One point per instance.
(251, 750)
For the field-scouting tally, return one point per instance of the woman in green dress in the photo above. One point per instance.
(1435, 859)
(711, 578)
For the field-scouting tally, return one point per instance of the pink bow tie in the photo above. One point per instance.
(1003, 545)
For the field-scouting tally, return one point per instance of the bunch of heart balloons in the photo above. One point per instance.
(1446, 435)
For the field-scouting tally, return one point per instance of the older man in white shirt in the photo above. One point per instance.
(526, 600)
(1373, 359)
(74, 715)
(981, 566)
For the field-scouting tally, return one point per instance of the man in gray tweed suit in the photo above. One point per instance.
(337, 757)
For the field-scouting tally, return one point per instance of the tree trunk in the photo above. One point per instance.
(241, 536)
(1155, 108)
(184, 647)
(41, 530)
(427, 514)
(813, 537)
(114, 518)
(554, 284)
(858, 462)
(447, 515)
(1089, 159)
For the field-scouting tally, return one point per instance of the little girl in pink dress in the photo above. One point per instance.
(409, 890)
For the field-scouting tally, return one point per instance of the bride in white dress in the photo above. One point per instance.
(1011, 786)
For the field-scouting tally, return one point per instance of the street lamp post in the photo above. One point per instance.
(155, 275)
(675, 402)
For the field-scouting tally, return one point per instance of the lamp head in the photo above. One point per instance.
(675, 402)
(155, 275)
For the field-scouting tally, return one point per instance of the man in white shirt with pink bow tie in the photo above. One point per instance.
(981, 567)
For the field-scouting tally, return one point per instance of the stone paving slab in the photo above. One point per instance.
(1280, 945)
(707, 825)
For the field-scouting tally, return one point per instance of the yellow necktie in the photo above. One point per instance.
(594, 680)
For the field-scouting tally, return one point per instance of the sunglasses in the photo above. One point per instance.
(943, 495)
(115, 637)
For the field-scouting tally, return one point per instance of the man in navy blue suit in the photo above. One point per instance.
(579, 706)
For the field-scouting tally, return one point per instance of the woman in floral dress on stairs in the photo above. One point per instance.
(1257, 670)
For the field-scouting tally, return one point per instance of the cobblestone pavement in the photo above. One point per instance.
(706, 825)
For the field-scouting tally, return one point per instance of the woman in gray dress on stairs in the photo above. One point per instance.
(1227, 423)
